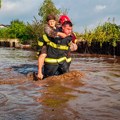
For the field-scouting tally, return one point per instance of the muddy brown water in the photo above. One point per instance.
(91, 90)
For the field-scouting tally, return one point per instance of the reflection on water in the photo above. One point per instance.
(99, 101)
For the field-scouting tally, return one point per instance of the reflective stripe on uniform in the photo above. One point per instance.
(61, 47)
(52, 60)
(46, 38)
(52, 44)
(40, 43)
(38, 53)
(68, 60)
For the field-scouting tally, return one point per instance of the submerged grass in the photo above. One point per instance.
(57, 95)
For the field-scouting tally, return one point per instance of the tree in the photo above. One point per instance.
(18, 29)
(4, 33)
(47, 8)
(35, 31)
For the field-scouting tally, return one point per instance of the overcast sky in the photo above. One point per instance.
(83, 13)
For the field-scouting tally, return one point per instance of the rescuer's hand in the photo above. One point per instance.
(73, 46)
(40, 76)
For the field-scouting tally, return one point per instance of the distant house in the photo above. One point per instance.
(3, 26)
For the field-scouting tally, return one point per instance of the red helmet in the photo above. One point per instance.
(63, 18)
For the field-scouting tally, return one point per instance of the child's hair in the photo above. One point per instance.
(50, 17)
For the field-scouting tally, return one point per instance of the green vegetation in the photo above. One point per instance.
(17, 29)
(108, 32)
(47, 8)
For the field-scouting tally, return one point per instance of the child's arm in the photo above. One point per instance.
(61, 34)
(52, 33)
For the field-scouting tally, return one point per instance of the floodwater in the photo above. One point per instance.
(90, 91)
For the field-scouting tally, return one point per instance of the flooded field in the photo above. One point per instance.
(90, 91)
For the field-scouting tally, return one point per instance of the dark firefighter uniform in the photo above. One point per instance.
(57, 60)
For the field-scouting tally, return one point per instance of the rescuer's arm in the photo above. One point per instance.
(41, 60)
(42, 53)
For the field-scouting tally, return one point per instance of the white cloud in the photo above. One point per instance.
(100, 7)
(8, 6)
(17, 7)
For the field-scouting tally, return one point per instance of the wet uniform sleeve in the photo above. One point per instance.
(41, 47)
(50, 31)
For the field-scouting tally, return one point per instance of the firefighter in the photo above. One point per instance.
(57, 58)
(50, 31)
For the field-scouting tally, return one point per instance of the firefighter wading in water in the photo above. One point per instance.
(57, 60)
